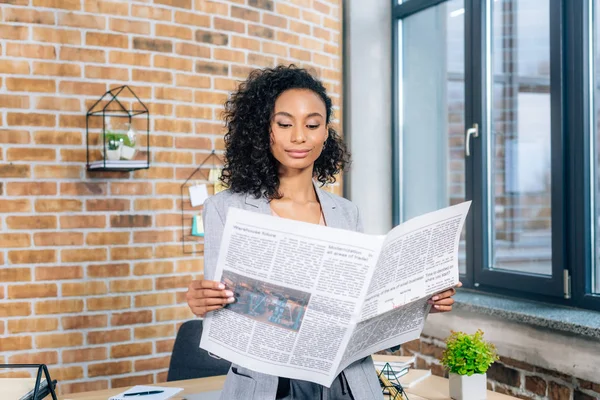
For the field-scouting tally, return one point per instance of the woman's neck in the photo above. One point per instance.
(297, 187)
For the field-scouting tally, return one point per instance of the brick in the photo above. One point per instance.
(165, 346)
(109, 368)
(130, 221)
(88, 288)
(58, 306)
(153, 236)
(32, 291)
(106, 40)
(506, 375)
(274, 21)
(300, 54)
(63, 4)
(264, 4)
(130, 253)
(154, 331)
(57, 205)
(159, 45)
(193, 50)
(153, 268)
(58, 239)
(77, 20)
(215, 38)
(181, 64)
(57, 340)
(557, 391)
(260, 60)
(210, 97)
(15, 309)
(13, 171)
(107, 7)
(229, 55)
(84, 322)
(28, 51)
(59, 104)
(583, 384)
(152, 363)
(82, 54)
(77, 255)
(193, 81)
(32, 325)
(108, 303)
(73, 155)
(153, 173)
(31, 256)
(112, 336)
(57, 137)
(31, 188)
(107, 270)
(260, 31)
(107, 238)
(225, 24)
(58, 273)
(60, 36)
(11, 101)
(172, 282)
(107, 205)
(83, 189)
(38, 357)
(151, 12)
(10, 274)
(27, 16)
(130, 285)
(14, 136)
(175, 3)
(107, 73)
(35, 153)
(82, 221)
(173, 313)
(429, 349)
(131, 188)
(131, 318)
(192, 18)
(131, 350)
(14, 240)
(127, 26)
(85, 386)
(241, 71)
(535, 385)
(174, 31)
(166, 93)
(66, 373)
(132, 380)
(173, 157)
(153, 300)
(57, 171)
(244, 14)
(30, 119)
(206, 67)
(168, 220)
(191, 265)
(152, 76)
(79, 88)
(245, 43)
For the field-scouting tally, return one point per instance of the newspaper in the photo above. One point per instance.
(311, 299)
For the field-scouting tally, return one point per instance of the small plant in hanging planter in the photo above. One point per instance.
(113, 147)
(467, 359)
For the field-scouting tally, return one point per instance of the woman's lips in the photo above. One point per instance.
(298, 153)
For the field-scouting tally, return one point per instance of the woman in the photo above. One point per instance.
(278, 142)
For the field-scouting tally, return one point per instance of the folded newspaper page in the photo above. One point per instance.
(311, 300)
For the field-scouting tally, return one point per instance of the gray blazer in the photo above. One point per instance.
(242, 383)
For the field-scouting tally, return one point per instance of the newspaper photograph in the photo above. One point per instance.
(312, 299)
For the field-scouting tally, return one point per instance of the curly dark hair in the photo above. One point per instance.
(250, 167)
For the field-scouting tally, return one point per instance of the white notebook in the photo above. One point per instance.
(165, 393)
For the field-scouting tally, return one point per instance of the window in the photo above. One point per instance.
(513, 73)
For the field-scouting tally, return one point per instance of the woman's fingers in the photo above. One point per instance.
(204, 296)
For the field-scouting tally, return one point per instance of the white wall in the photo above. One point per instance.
(367, 108)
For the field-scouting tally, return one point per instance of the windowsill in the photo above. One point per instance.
(550, 316)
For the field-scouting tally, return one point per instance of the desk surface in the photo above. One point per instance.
(432, 388)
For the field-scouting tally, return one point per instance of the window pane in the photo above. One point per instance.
(595, 143)
(433, 168)
(520, 208)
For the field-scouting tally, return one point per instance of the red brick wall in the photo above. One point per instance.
(93, 276)
(508, 376)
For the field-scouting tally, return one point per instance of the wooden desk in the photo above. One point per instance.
(190, 386)
(432, 388)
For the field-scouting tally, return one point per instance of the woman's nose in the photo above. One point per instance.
(298, 135)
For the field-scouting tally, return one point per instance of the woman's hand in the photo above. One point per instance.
(204, 296)
(442, 302)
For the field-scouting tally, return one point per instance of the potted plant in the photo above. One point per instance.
(467, 359)
(113, 147)
(127, 146)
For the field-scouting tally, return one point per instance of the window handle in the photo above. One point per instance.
(474, 131)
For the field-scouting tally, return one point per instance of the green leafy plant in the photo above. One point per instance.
(112, 143)
(117, 137)
(468, 354)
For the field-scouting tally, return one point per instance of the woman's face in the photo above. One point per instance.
(298, 128)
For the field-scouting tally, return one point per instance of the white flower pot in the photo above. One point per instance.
(464, 387)
(113, 154)
(127, 152)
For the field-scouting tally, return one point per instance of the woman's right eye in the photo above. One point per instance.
(282, 125)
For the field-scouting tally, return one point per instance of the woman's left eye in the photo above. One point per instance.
(312, 126)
